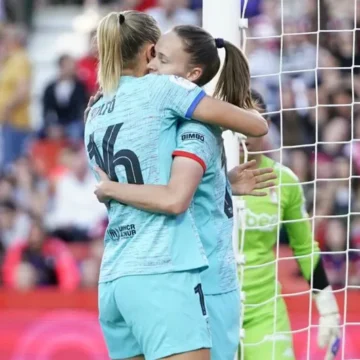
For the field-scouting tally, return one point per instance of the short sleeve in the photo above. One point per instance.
(197, 142)
(176, 94)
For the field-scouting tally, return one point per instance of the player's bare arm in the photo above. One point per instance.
(228, 116)
(173, 198)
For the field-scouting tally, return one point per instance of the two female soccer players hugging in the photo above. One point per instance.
(167, 288)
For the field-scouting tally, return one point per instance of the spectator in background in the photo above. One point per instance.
(45, 153)
(87, 66)
(14, 223)
(145, 4)
(15, 82)
(39, 260)
(31, 191)
(139, 5)
(341, 46)
(335, 264)
(75, 207)
(7, 188)
(354, 276)
(196, 4)
(2, 11)
(19, 11)
(24, 187)
(299, 53)
(170, 13)
(90, 267)
(64, 102)
(123, 5)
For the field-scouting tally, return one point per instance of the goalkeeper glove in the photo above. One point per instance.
(329, 322)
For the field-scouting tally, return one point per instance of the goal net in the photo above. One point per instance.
(304, 58)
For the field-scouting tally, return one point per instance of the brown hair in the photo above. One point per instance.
(233, 85)
(120, 37)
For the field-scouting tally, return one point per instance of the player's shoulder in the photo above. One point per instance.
(170, 81)
(285, 174)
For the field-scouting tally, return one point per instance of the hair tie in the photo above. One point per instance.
(220, 43)
(121, 19)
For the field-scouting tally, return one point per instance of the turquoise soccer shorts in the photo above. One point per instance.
(154, 315)
(224, 320)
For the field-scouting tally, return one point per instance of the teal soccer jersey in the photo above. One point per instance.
(212, 204)
(131, 137)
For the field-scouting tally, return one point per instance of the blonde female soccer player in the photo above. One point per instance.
(260, 282)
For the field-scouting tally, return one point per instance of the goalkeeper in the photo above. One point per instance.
(263, 305)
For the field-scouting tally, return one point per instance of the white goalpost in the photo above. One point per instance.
(222, 21)
(226, 20)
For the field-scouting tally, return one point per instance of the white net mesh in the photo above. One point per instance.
(304, 58)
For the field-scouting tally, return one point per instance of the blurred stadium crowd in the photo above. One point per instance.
(51, 225)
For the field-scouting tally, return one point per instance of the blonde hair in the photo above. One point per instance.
(120, 37)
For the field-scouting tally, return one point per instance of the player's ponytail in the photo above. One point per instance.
(233, 85)
(110, 55)
(120, 37)
(234, 82)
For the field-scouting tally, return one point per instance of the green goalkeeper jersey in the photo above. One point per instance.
(283, 205)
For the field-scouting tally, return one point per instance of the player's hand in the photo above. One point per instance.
(102, 187)
(329, 332)
(245, 179)
(92, 101)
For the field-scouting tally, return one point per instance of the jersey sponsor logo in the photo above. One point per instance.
(260, 222)
(192, 136)
(186, 84)
(121, 232)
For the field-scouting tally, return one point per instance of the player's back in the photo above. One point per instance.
(212, 205)
(131, 137)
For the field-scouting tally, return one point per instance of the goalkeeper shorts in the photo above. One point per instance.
(260, 342)
(224, 319)
(154, 315)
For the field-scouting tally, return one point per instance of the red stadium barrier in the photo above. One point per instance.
(49, 325)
